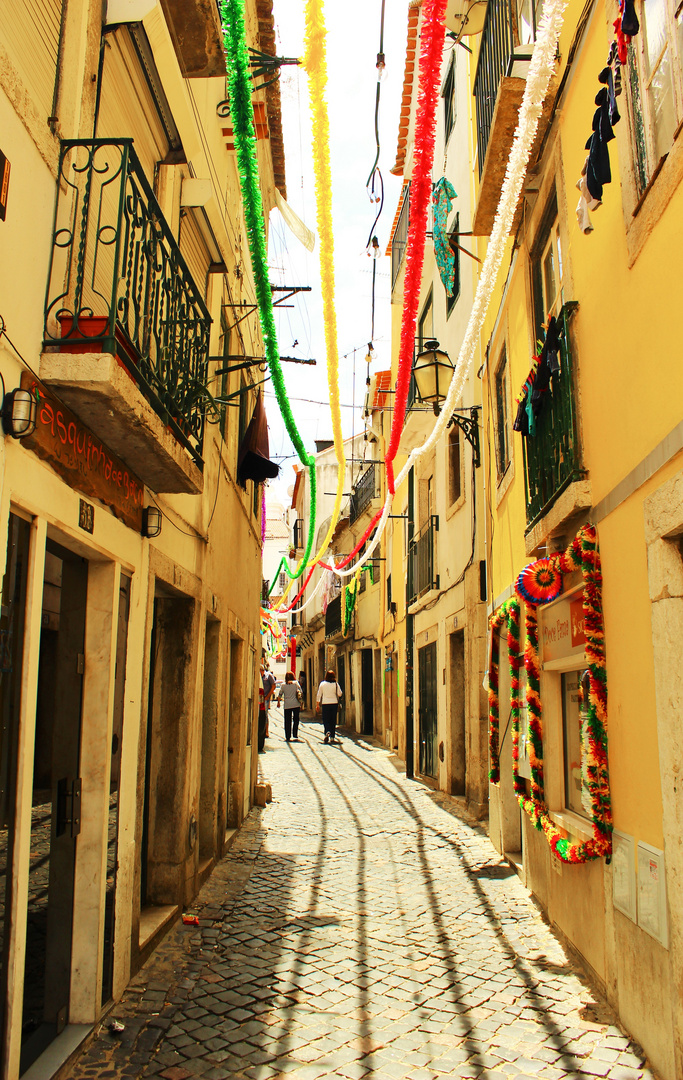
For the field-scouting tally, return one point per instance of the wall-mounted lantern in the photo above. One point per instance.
(151, 521)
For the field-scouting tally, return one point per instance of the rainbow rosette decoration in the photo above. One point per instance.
(539, 582)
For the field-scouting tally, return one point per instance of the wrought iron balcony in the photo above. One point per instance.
(299, 534)
(400, 237)
(552, 457)
(495, 52)
(118, 284)
(422, 574)
(363, 494)
(333, 617)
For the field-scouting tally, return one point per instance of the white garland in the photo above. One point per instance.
(537, 82)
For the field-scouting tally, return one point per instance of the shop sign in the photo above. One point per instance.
(81, 459)
(561, 628)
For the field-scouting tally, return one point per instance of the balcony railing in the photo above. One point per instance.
(400, 238)
(495, 53)
(299, 534)
(119, 284)
(422, 574)
(364, 493)
(552, 457)
(333, 617)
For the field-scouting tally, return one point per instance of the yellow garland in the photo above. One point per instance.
(315, 63)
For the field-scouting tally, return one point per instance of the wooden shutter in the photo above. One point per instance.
(127, 107)
(194, 249)
(30, 32)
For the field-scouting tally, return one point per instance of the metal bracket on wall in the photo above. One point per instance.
(469, 425)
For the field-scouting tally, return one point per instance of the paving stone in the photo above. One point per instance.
(329, 948)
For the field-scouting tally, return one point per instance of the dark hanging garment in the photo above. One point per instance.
(253, 462)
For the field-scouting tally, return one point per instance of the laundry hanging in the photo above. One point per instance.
(443, 194)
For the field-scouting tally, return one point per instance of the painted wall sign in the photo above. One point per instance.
(80, 458)
(561, 628)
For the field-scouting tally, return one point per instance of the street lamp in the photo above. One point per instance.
(432, 371)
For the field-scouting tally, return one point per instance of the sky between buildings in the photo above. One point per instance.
(353, 28)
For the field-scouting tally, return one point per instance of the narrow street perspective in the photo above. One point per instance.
(360, 926)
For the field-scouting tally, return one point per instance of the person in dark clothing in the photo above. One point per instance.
(303, 683)
(291, 691)
(329, 696)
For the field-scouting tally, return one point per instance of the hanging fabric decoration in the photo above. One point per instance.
(242, 115)
(582, 554)
(442, 201)
(432, 34)
(315, 64)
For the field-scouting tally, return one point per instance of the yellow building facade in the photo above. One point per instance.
(130, 647)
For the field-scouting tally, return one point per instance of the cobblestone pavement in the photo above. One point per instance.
(360, 927)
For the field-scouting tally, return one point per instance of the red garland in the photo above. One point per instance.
(431, 54)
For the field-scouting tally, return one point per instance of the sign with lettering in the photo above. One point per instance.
(80, 458)
(561, 630)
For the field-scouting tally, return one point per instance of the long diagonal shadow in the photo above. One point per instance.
(366, 1032)
(397, 792)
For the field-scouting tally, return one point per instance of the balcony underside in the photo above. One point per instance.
(561, 517)
(99, 390)
(419, 424)
(503, 126)
(195, 30)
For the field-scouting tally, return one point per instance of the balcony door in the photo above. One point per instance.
(55, 817)
(427, 717)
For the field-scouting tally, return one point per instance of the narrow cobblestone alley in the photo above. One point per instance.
(360, 927)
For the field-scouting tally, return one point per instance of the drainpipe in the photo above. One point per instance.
(409, 634)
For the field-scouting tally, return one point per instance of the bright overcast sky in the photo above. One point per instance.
(353, 42)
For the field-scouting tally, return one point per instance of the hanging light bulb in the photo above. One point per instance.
(381, 68)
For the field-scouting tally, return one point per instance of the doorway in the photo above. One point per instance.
(458, 778)
(209, 829)
(12, 621)
(341, 679)
(114, 783)
(366, 682)
(427, 716)
(55, 815)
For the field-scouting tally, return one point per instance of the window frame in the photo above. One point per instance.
(452, 300)
(639, 76)
(449, 95)
(501, 381)
(454, 436)
(427, 311)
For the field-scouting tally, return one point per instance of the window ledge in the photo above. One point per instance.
(504, 482)
(643, 212)
(573, 823)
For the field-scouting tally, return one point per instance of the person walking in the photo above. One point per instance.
(268, 682)
(290, 690)
(303, 683)
(329, 696)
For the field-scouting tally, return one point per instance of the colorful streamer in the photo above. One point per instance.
(242, 115)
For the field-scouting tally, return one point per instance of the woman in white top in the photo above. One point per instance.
(291, 691)
(329, 696)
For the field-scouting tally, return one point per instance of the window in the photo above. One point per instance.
(449, 99)
(256, 501)
(528, 17)
(454, 240)
(282, 582)
(425, 326)
(547, 269)
(223, 383)
(243, 411)
(501, 417)
(574, 706)
(454, 480)
(654, 84)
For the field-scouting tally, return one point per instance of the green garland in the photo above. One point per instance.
(242, 115)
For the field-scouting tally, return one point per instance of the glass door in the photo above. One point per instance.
(427, 709)
(55, 817)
